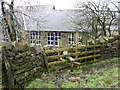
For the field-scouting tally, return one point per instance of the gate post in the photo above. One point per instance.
(77, 35)
(59, 51)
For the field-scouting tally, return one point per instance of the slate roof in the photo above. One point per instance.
(47, 18)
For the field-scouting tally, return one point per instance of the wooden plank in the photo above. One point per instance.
(77, 63)
(71, 59)
(72, 54)
(71, 63)
(81, 47)
(62, 59)
(77, 59)
(57, 62)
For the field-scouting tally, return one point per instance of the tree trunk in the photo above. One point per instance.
(119, 28)
(9, 22)
(12, 21)
(5, 20)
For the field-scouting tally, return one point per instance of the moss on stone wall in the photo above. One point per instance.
(26, 64)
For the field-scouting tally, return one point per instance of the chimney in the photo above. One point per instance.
(53, 7)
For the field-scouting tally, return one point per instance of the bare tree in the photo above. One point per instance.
(24, 15)
(119, 27)
(97, 18)
(8, 15)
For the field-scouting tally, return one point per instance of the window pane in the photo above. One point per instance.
(48, 34)
(52, 34)
(33, 33)
(56, 43)
(59, 37)
(56, 38)
(36, 33)
(69, 39)
(52, 43)
(48, 42)
(48, 38)
(31, 42)
(59, 34)
(39, 42)
(55, 34)
(52, 38)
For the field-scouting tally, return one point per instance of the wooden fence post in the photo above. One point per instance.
(9, 73)
(45, 57)
(94, 53)
(58, 48)
(77, 35)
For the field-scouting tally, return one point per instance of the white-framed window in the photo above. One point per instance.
(17, 36)
(35, 37)
(5, 35)
(80, 38)
(53, 38)
(71, 38)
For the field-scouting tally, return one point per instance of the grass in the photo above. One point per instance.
(102, 74)
(102, 61)
(102, 78)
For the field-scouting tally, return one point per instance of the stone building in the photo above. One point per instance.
(45, 24)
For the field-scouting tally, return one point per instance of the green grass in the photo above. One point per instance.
(104, 77)
(102, 61)
(69, 85)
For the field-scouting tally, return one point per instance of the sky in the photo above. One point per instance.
(59, 4)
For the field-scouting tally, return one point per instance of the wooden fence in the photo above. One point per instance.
(75, 56)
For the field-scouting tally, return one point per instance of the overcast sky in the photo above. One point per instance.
(59, 4)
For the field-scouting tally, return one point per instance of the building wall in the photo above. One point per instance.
(63, 42)
(44, 40)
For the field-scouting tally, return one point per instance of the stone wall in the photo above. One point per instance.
(26, 64)
(109, 50)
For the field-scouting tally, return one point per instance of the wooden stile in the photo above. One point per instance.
(77, 59)
(70, 56)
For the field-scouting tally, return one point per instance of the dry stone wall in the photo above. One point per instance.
(26, 64)
(109, 50)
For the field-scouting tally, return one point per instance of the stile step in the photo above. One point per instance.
(77, 63)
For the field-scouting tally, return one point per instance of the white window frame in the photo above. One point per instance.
(34, 37)
(71, 39)
(17, 36)
(4, 34)
(52, 38)
(79, 38)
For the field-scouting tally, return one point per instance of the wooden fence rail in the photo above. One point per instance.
(72, 54)
(74, 48)
(75, 54)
